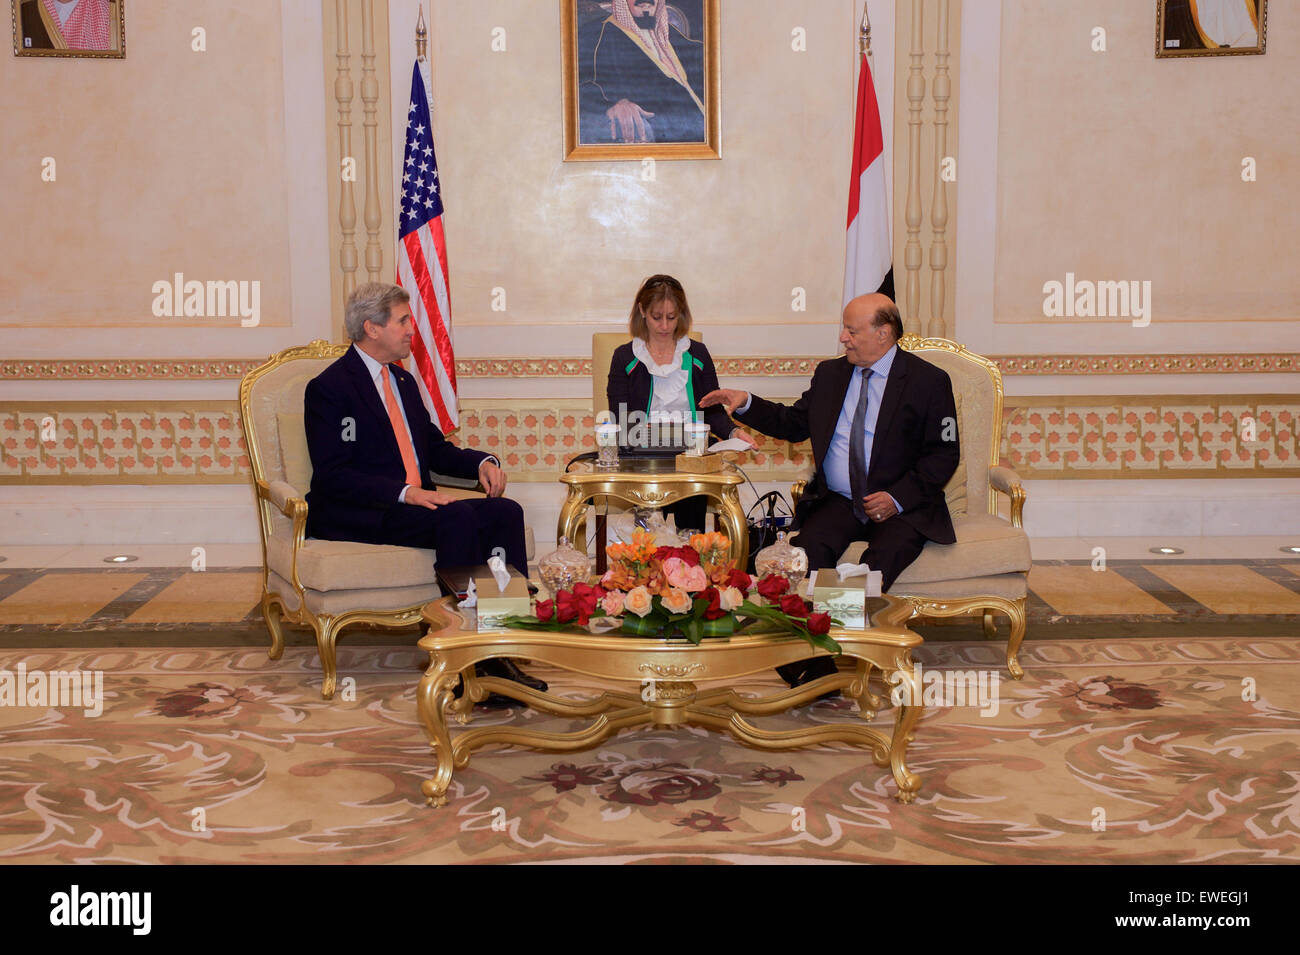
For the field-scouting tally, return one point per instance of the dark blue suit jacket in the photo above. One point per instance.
(357, 470)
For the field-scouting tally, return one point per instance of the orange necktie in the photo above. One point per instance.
(399, 431)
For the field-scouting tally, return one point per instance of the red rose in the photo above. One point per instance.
(714, 610)
(566, 606)
(740, 580)
(545, 610)
(772, 587)
(819, 623)
(687, 555)
(793, 605)
(578, 604)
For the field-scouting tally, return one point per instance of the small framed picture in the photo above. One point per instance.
(641, 79)
(1210, 27)
(69, 28)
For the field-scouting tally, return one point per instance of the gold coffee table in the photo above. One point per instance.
(663, 675)
(648, 482)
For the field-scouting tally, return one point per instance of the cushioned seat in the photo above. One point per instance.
(986, 546)
(326, 585)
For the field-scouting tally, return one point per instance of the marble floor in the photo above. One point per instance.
(1078, 588)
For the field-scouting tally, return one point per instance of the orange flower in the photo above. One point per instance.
(713, 547)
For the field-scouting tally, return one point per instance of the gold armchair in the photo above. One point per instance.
(986, 571)
(327, 585)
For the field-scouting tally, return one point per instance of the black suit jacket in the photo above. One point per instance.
(909, 456)
(632, 389)
(357, 470)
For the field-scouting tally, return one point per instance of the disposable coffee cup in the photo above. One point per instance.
(697, 437)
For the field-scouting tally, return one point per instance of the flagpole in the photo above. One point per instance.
(421, 37)
(864, 34)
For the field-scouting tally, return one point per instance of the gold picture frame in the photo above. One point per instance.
(633, 93)
(1210, 27)
(37, 31)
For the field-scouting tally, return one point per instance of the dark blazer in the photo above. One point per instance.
(357, 470)
(909, 457)
(630, 384)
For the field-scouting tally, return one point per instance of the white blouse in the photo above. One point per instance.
(668, 400)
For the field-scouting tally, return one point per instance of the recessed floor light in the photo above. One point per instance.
(1294, 549)
(1166, 551)
(120, 559)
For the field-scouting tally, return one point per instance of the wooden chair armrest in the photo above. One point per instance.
(1007, 481)
(797, 488)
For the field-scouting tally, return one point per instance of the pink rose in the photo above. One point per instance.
(612, 603)
(638, 602)
(677, 601)
(683, 576)
(730, 599)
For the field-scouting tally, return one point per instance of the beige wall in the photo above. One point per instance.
(569, 242)
(1116, 165)
(169, 161)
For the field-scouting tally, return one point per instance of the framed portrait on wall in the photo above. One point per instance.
(641, 79)
(69, 28)
(1210, 27)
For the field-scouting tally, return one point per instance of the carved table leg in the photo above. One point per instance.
(732, 517)
(573, 515)
(432, 698)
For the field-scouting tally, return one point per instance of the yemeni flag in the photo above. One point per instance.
(868, 265)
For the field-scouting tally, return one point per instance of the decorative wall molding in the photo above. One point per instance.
(1153, 436)
(363, 144)
(231, 369)
(1167, 364)
(1069, 438)
(927, 55)
(127, 369)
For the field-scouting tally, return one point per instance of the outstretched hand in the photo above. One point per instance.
(729, 398)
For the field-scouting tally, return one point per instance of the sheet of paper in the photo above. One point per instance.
(731, 444)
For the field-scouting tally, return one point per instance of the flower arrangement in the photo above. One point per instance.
(695, 590)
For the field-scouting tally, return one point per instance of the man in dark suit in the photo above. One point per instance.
(373, 444)
(883, 456)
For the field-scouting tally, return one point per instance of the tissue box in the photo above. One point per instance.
(844, 601)
(493, 604)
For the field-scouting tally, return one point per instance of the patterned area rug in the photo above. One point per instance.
(1110, 751)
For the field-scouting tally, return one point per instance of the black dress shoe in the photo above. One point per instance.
(805, 671)
(505, 669)
(493, 701)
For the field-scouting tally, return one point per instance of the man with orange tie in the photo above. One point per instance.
(373, 444)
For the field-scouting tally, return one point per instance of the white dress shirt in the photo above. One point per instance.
(836, 463)
(668, 387)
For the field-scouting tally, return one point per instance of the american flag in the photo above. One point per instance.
(422, 262)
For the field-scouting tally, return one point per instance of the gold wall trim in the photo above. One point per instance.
(1044, 437)
(221, 369)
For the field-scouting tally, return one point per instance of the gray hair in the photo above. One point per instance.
(372, 302)
(888, 315)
